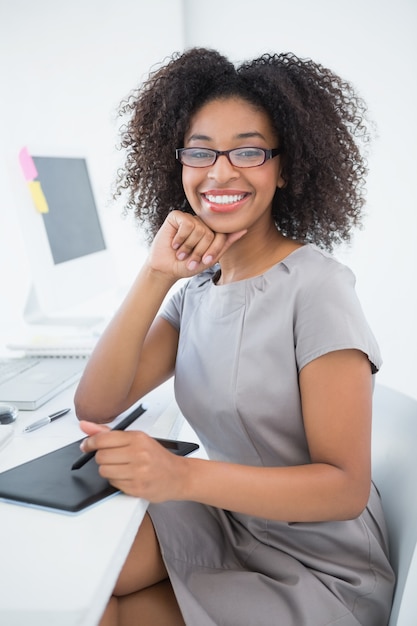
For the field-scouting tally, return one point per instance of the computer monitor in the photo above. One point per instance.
(69, 259)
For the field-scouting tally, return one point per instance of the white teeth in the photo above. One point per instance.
(225, 199)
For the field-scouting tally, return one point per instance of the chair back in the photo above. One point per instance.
(394, 469)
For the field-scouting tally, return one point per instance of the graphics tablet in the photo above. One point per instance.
(49, 483)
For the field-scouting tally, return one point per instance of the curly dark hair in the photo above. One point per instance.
(319, 120)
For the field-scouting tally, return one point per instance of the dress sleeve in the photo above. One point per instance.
(171, 310)
(329, 317)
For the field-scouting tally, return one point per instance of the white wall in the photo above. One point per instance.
(64, 67)
(373, 44)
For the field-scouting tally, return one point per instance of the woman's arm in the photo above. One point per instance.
(336, 392)
(122, 367)
(137, 351)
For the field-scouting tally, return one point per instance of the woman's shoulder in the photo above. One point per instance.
(310, 266)
(310, 255)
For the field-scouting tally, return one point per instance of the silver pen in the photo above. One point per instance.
(45, 420)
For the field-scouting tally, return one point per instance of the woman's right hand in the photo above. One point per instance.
(185, 245)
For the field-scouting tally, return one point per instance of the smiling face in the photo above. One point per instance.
(229, 198)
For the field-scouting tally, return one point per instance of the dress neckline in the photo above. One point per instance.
(287, 261)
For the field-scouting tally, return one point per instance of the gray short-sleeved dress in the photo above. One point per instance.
(241, 348)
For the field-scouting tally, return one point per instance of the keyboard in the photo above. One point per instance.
(28, 382)
(9, 368)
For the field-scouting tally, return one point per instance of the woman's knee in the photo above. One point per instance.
(144, 565)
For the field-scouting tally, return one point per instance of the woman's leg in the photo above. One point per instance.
(111, 614)
(153, 606)
(144, 565)
(143, 594)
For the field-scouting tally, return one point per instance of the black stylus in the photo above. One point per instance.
(84, 458)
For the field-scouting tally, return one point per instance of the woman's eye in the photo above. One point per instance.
(201, 154)
(249, 153)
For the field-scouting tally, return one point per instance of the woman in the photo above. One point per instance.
(245, 178)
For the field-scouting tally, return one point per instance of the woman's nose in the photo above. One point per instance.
(223, 170)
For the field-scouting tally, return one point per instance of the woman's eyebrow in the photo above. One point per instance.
(248, 135)
(197, 137)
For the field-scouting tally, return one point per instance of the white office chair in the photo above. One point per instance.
(394, 466)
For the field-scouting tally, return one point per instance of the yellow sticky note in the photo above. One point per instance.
(38, 196)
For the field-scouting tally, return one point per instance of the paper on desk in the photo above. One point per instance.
(56, 341)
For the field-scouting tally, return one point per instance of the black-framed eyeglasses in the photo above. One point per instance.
(238, 157)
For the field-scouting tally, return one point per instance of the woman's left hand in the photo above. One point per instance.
(135, 463)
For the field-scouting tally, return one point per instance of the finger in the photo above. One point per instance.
(197, 244)
(91, 428)
(109, 457)
(219, 246)
(192, 237)
(203, 256)
(123, 483)
(106, 438)
(183, 225)
(194, 256)
(114, 463)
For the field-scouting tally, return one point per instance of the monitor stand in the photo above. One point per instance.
(33, 314)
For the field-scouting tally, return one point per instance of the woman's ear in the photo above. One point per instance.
(281, 179)
(281, 182)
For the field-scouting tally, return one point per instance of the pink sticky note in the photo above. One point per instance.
(26, 163)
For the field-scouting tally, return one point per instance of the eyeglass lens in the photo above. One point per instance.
(240, 157)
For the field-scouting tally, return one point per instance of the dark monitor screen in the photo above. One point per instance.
(71, 223)
(70, 263)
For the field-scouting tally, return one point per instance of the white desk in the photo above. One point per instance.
(59, 569)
